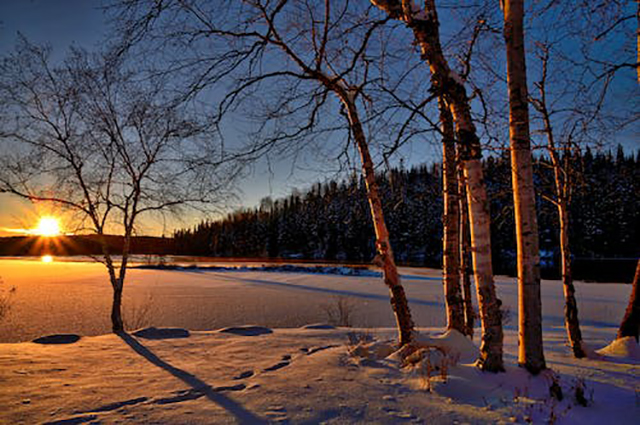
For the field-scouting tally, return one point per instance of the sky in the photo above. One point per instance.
(63, 23)
(60, 23)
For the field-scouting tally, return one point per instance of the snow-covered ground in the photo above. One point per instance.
(282, 371)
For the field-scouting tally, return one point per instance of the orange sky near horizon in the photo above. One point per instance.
(19, 217)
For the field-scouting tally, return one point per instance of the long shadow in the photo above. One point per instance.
(415, 277)
(330, 291)
(242, 415)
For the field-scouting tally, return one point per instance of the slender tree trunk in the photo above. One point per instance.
(465, 256)
(451, 222)
(117, 324)
(571, 320)
(530, 349)
(398, 297)
(424, 25)
(630, 325)
(562, 188)
(488, 302)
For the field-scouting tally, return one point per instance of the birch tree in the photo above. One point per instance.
(562, 179)
(303, 62)
(530, 348)
(425, 27)
(451, 219)
(93, 139)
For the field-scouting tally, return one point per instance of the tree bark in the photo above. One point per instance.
(451, 223)
(572, 323)
(424, 25)
(397, 295)
(488, 302)
(465, 256)
(630, 325)
(117, 324)
(530, 348)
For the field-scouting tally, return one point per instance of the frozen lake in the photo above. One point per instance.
(74, 297)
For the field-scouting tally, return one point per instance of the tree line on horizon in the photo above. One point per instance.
(330, 220)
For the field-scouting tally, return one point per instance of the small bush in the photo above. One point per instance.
(6, 299)
(341, 311)
(583, 396)
(431, 362)
(137, 314)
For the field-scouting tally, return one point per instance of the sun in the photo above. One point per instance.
(47, 226)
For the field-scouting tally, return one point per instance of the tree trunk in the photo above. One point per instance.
(117, 324)
(451, 222)
(530, 349)
(572, 323)
(488, 302)
(465, 256)
(630, 325)
(424, 25)
(398, 297)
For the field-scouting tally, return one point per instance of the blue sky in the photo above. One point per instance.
(58, 22)
(63, 23)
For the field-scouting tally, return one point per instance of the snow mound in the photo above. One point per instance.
(626, 348)
(162, 333)
(319, 326)
(57, 339)
(452, 342)
(246, 330)
(372, 350)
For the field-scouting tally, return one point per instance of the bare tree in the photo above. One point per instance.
(425, 26)
(97, 140)
(574, 106)
(563, 185)
(292, 58)
(530, 348)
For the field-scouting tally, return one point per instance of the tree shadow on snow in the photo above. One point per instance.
(241, 414)
(339, 292)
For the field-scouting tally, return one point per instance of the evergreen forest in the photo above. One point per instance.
(330, 221)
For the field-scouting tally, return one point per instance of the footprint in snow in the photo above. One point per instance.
(162, 333)
(277, 414)
(57, 339)
(277, 366)
(116, 405)
(244, 375)
(394, 413)
(73, 421)
(286, 361)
